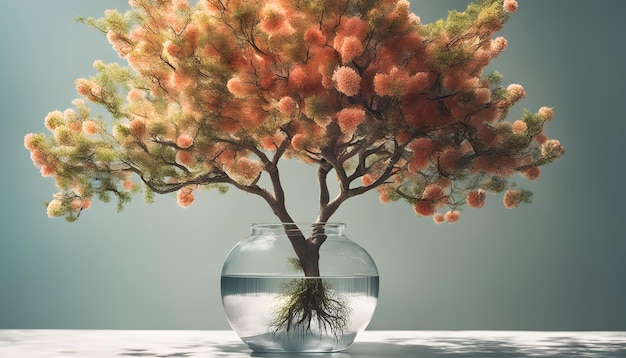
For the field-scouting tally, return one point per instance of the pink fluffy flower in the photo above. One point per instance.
(180, 80)
(433, 193)
(134, 95)
(512, 199)
(499, 44)
(236, 87)
(452, 216)
(349, 118)
(385, 194)
(532, 173)
(244, 170)
(392, 84)
(184, 140)
(171, 48)
(119, 43)
(46, 170)
(76, 205)
(298, 77)
(353, 26)
(55, 208)
(248, 168)
(422, 144)
(424, 208)
(552, 148)
(519, 127)
(545, 113)
(439, 218)
(37, 157)
(298, 141)
(185, 158)
(90, 127)
(30, 141)
(137, 127)
(287, 105)
(315, 36)
(347, 80)
(127, 184)
(418, 82)
(510, 6)
(86, 204)
(89, 89)
(70, 115)
(75, 126)
(421, 148)
(272, 142)
(350, 49)
(476, 198)
(367, 179)
(273, 19)
(53, 120)
(516, 91)
(185, 197)
(448, 160)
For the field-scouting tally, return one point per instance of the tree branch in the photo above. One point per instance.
(322, 175)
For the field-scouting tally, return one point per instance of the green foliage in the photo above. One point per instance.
(495, 184)
(112, 79)
(246, 14)
(148, 194)
(495, 78)
(533, 122)
(106, 155)
(104, 196)
(525, 196)
(317, 107)
(499, 93)
(460, 30)
(113, 20)
(122, 198)
(444, 59)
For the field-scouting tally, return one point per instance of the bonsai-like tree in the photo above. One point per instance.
(216, 94)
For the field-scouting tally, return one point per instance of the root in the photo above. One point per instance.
(308, 303)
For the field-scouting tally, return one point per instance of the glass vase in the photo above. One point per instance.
(274, 307)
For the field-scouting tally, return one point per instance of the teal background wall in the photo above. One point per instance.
(558, 264)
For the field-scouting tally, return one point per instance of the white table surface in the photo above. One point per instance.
(413, 344)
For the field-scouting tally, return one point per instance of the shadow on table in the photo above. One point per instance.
(491, 347)
(449, 344)
(403, 350)
(438, 348)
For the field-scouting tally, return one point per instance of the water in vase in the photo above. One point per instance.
(251, 303)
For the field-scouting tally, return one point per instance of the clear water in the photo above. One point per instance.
(250, 300)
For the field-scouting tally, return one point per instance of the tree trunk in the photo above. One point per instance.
(310, 261)
(307, 249)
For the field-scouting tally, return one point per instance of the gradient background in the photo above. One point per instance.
(558, 264)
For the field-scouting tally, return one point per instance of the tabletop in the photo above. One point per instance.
(413, 344)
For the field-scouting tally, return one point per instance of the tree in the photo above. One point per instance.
(216, 94)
